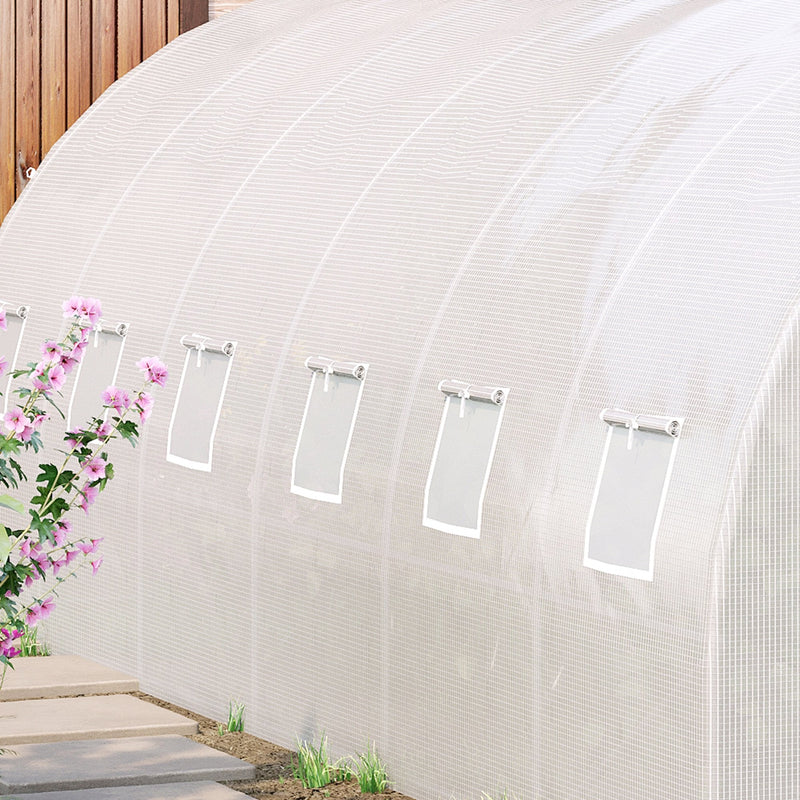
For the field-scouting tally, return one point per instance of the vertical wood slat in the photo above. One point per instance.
(154, 26)
(28, 107)
(7, 110)
(173, 19)
(54, 73)
(104, 45)
(193, 13)
(129, 35)
(79, 58)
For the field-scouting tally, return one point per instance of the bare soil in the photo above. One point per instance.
(273, 764)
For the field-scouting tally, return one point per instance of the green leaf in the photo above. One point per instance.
(5, 545)
(7, 501)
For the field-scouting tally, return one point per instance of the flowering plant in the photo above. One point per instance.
(46, 546)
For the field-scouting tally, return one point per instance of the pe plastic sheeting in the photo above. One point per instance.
(592, 202)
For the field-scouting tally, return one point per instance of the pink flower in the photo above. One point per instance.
(15, 420)
(57, 565)
(26, 434)
(71, 555)
(90, 308)
(95, 467)
(25, 548)
(39, 420)
(48, 376)
(89, 547)
(96, 565)
(3, 323)
(89, 493)
(7, 647)
(51, 350)
(79, 348)
(3, 365)
(73, 438)
(103, 430)
(72, 307)
(118, 399)
(40, 611)
(68, 363)
(58, 376)
(155, 369)
(145, 404)
(43, 561)
(62, 532)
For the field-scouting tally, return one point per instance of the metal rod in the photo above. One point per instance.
(350, 369)
(120, 329)
(197, 342)
(644, 422)
(469, 391)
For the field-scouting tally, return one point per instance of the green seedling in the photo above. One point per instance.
(221, 730)
(30, 646)
(371, 772)
(235, 716)
(313, 766)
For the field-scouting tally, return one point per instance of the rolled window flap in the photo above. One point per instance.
(470, 391)
(671, 426)
(351, 369)
(20, 311)
(197, 342)
(102, 326)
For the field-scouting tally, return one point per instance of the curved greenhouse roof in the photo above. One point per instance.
(586, 590)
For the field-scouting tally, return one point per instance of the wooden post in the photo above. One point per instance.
(173, 19)
(154, 26)
(79, 58)
(54, 73)
(104, 45)
(7, 107)
(193, 13)
(129, 35)
(28, 96)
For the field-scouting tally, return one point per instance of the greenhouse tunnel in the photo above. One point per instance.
(481, 435)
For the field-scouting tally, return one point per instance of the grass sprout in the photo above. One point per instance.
(30, 646)
(370, 772)
(235, 716)
(314, 767)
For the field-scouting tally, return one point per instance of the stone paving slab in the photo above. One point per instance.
(100, 717)
(62, 676)
(203, 790)
(142, 760)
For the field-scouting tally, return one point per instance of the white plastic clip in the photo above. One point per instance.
(464, 395)
(201, 346)
(632, 426)
(97, 328)
(327, 372)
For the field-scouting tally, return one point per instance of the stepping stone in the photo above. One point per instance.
(204, 790)
(142, 760)
(62, 676)
(101, 717)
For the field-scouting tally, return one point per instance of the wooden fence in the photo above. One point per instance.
(58, 56)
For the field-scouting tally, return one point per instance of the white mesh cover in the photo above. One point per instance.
(595, 203)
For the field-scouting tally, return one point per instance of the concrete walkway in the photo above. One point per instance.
(101, 747)
(62, 676)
